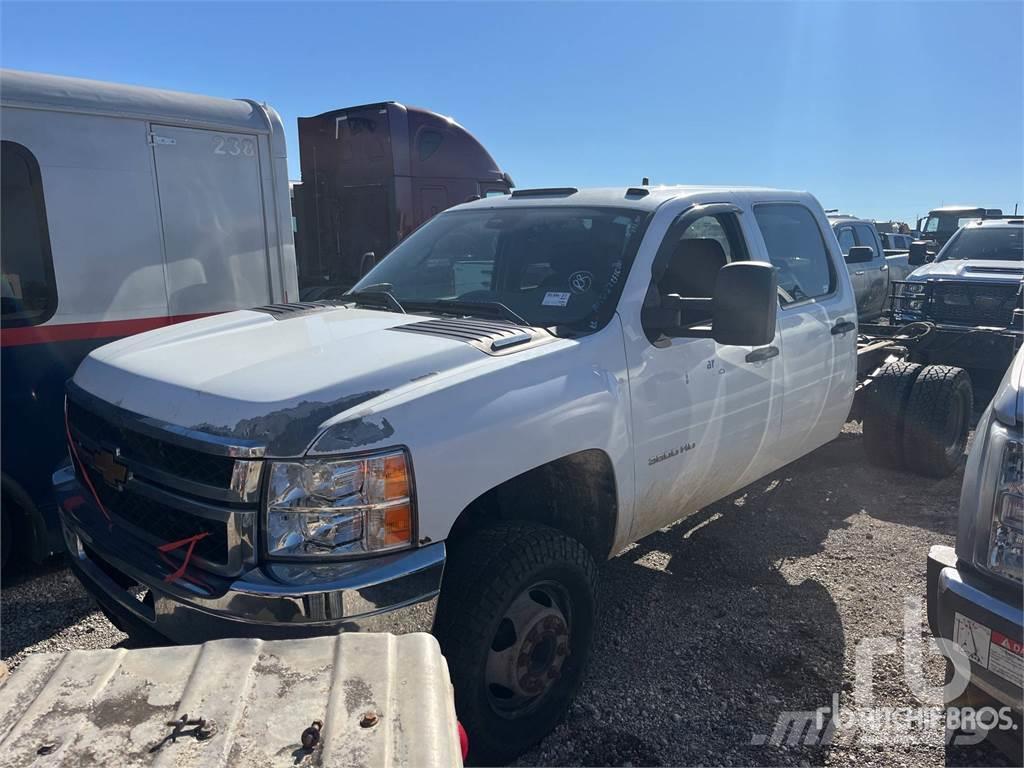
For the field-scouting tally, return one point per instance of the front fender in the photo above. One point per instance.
(473, 431)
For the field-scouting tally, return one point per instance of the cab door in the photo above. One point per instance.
(817, 323)
(704, 416)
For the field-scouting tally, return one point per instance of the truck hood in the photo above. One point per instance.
(272, 382)
(965, 269)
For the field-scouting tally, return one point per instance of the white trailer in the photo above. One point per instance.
(124, 209)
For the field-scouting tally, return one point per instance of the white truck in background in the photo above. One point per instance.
(524, 386)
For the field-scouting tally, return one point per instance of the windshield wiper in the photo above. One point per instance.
(372, 297)
(483, 308)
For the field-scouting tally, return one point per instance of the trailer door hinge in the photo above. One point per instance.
(153, 140)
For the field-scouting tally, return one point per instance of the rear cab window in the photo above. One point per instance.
(28, 290)
(797, 250)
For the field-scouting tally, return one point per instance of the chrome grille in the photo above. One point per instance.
(163, 522)
(173, 459)
(162, 491)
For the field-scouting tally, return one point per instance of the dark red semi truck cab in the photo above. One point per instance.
(370, 175)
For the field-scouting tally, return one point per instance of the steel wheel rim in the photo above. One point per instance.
(529, 649)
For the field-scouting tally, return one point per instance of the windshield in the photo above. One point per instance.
(946, 222)
(997, 243)
(557, 266)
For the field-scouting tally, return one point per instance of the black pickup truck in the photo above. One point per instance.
(941, 224)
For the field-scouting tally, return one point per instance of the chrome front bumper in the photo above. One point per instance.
(393, 593)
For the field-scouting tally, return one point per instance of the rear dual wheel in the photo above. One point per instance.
(937, 420)
(918, 417)
(884, 412)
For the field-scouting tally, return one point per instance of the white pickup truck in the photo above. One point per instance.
(524, 386)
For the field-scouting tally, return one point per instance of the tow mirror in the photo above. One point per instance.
(745, 305)
(918, 253)
(860, 254)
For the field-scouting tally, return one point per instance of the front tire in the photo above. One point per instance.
(516, 622)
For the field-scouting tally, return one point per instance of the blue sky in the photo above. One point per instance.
(882, 109)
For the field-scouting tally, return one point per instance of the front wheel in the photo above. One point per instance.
(516, 622)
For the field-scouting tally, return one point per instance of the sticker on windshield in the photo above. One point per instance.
(555, 299)
(580, 282)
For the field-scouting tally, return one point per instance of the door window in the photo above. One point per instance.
(797, 250)
(689, 260)
(846, 239)
(866, 236)
(28, 290)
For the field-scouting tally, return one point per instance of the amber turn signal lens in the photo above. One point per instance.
(396, 478)
(398, 525)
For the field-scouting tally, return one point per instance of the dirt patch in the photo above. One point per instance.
(714, 627)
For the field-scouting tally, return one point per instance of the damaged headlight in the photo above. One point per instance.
(1006, 545)
(339, 506)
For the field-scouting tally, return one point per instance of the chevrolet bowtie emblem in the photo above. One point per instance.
(114, 473)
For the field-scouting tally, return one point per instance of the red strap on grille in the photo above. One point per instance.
(163, 549)
(85, 472)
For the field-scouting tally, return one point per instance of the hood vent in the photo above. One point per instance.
(297, 308)
(494, 338)
(997, 270)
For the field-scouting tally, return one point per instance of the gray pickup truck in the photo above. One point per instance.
(871, 270)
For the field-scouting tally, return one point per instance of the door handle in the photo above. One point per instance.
(859, 272)
(883, 268)
(762, 354)
(843, 326)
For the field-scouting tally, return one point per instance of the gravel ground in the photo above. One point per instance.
(712, 627)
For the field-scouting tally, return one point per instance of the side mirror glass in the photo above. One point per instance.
(746, 304)
(860, 254)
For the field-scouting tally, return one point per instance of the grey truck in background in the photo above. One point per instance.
(871, 270)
